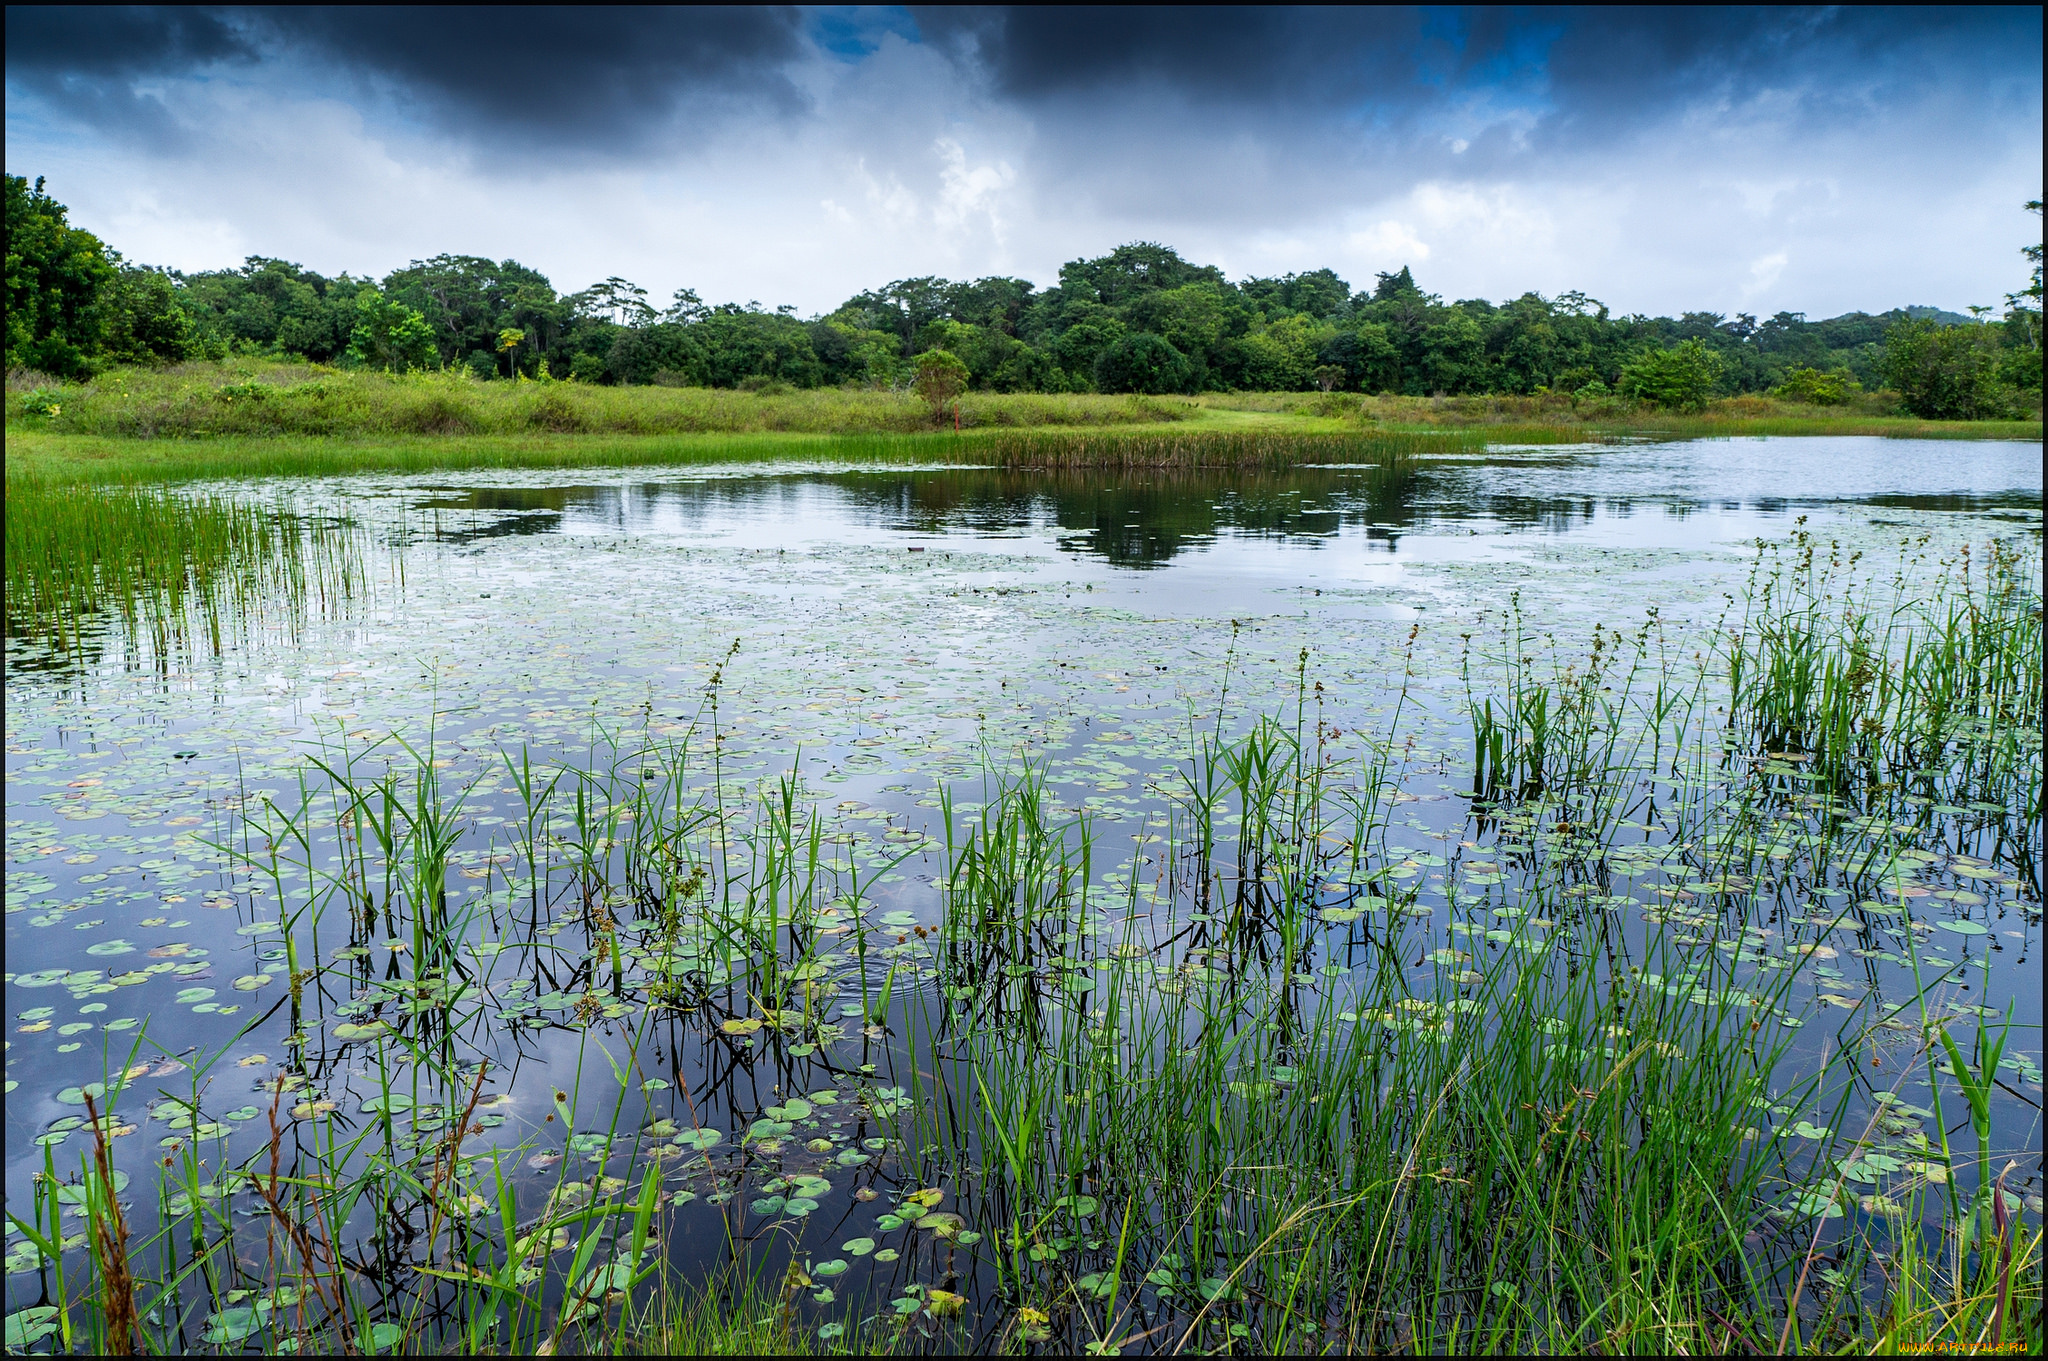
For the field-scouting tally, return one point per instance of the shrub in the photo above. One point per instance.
(40, 402)
(439, 413)
(1830, 388)
(1681, 378)
(553, 411)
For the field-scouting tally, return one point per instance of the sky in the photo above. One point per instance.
(1815, 160)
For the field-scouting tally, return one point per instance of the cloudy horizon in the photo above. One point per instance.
(1806, 160)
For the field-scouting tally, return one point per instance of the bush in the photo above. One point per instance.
(437, 413)
(1944, 372)
(40, 402)
(554, 412)
(1812, 386)
(1681, 378)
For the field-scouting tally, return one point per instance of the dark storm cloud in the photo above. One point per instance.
(603, 70)
(617, 76)
(519, 74)
(86, 59)
(1219, 53)
(1567, 63)
(93, 42)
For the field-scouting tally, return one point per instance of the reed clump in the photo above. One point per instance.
(165, 565)
(1174, 449)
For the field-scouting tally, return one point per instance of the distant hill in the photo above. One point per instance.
(1938, 315)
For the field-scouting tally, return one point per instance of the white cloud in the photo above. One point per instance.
(1390, 241)
(969, 191)
(1764, 273)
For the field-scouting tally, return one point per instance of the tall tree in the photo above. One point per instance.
(56, 274)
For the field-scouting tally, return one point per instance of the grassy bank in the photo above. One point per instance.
(53, 460)
(256, 418)
(266, 399)
(1875, 413)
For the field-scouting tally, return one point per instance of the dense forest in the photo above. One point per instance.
(1139, 319)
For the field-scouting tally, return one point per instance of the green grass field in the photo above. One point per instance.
(264, 418)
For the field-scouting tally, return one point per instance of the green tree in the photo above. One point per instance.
(2025, 305)
(467, 300)
(1453, 357)
(1944, 372)
(1141, 362)
(1369, 359)
(939, 378)
(1682, 378)
(56, 274)
(143, 323)
(1128, 272)
(744, 342)
(1197, 319)
(643, 354)
(390, 335)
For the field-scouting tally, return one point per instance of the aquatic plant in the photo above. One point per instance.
(173, 567)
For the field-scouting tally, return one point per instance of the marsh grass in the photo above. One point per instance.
(260, 399)
(1250, 1092)
(176, 569)
(1874, 413)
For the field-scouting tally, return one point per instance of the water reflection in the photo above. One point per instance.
(1148, 518)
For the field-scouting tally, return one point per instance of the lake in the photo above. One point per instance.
(507, 833)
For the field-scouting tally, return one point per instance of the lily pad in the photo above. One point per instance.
(26, 1327)
(188, 996)
(75, 1096)
(233, 1325)
(75, 1194)
(249, 982)
(1964, 928)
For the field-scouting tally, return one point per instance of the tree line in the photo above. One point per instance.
(1139, 319)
